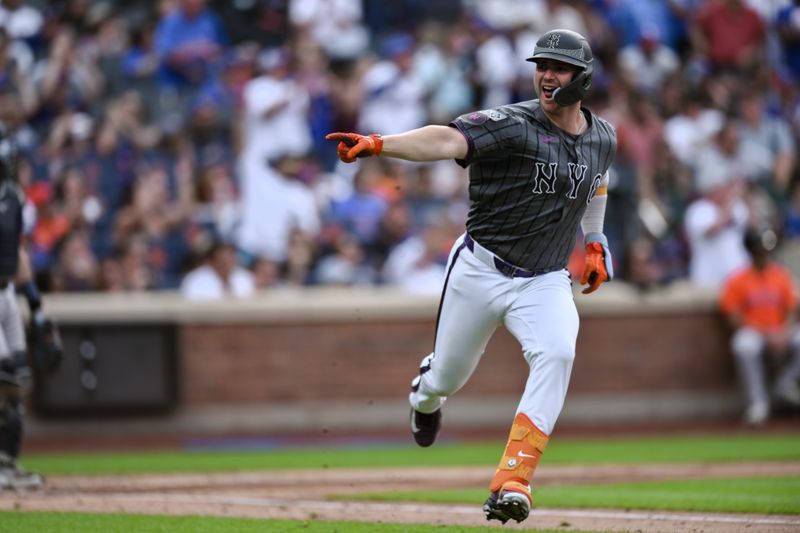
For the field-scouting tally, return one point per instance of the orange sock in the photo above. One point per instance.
(523, 451)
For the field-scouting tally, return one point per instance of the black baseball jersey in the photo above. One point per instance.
(530, 181)
(12, 202)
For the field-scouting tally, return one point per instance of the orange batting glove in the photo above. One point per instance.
(598, 266)
(353, 145)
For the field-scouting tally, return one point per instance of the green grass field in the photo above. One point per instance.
(752, 495)
(765, 495)
(718, 448)
(122, 523)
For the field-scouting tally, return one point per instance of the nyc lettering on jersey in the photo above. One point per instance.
(545, 174)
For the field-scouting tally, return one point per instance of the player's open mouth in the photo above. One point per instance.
(547, 91)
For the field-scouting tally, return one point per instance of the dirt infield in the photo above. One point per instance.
(305, 495)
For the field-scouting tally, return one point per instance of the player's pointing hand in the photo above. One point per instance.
(353, 145)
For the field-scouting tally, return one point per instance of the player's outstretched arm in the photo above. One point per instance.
(429, 143)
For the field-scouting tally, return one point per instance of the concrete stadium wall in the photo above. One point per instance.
(322, 359)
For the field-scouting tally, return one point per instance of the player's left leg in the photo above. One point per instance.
(544, 320)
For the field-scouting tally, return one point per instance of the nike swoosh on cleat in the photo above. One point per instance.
(523, 454)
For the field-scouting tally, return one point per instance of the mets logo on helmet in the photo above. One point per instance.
(552, 41)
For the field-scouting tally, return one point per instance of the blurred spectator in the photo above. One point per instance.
(394, 227)
(136, 270)
(188, 42)
(760, 304)
(643, 270)
(219, 276)
(724, 154)
(444, 69)
(275, 203)
(361, 213)
(264, 22)
(335, 25)
(76, 266)
(788, 26)
(275, 114)
(217, 206)
(393, 96)
(729, 34)
(300, 258)
(22, 21)
(715, 224)
(313, 76)
(138, 67)
(157, 219)
(346, 265)
(660, 18)
(645, 65)
(423, 198)
(641, 134)
(691, 129)
(419, 264)
(771, 150)
(495, 69)
(16, 66)
(66, 79)
(266, 273)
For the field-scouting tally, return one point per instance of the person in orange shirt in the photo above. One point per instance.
(760, 303)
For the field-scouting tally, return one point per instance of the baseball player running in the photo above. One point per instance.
(537, 170)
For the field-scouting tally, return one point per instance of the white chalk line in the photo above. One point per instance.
(451, 509)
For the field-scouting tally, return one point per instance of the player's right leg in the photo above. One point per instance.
(469, 312)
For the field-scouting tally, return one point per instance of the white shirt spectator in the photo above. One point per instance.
(275, 119)
(393, 102)
(687, 135)
(22, 22)
(203, 283)
(272, 206)
(407, 268)
(714, 255)
(335, 25)
(496, 69)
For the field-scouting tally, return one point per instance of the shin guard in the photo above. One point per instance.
(525, 446)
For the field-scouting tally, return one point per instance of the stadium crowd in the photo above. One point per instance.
(179, 144)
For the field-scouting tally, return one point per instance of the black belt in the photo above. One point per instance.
(504, 267)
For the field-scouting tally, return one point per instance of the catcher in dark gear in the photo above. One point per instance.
(15, 271)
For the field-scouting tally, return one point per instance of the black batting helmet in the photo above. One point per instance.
(570, 47)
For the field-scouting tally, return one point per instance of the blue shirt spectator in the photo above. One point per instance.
(189, 42)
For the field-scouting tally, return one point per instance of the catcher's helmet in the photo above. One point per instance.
(570, 47)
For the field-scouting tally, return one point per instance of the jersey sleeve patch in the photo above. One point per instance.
(479, 117)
